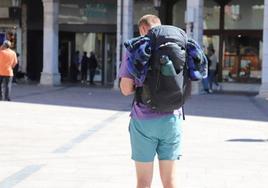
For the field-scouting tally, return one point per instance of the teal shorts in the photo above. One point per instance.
(158, 135)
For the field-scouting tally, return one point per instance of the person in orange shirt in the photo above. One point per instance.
(8, 61)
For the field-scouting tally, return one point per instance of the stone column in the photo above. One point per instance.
(127, 24)
(118, 42)
(194, 29)
(264, 79)
(50, 75)
(124, 31)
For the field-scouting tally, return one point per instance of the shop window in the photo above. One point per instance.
(5, 3)
(211, 15)
(211, 42)
(242, 62)
(87, 42)
(244, 14)
(242, 57)
(179, 14)
(142, 7)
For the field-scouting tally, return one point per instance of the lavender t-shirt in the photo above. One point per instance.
(141, 111)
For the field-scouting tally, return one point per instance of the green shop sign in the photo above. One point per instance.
(100, 10)
(88, 11)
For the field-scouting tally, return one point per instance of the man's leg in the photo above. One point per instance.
(83, 75)
(205, 83)
(169, 149)
(143, 150)
(91, 76)
(210, 77)
(168, 173)
(215, 79)
(144, 172)
(7, 85)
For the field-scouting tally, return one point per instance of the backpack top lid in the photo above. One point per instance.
(167, 33)
(169, 41)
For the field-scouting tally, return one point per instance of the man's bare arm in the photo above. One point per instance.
(127, 86)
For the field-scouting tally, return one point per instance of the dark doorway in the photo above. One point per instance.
(35, 55)
(66, 49)
(34, 39)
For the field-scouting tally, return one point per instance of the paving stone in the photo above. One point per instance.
(73, 137)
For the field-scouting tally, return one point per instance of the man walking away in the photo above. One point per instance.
(153, 132)
(8, 60)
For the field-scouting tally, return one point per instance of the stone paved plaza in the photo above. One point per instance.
(77, 137)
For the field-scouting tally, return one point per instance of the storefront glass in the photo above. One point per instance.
(88, 42)
(110, 59)
(242, 48)
(99, 11)
(5, 3)
(242, 59)
(142, 7)
(244, 14)
(211, 42)
(104, 47)
(179, 14)
(211, 15)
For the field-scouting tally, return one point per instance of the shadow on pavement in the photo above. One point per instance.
(247, 140)
(228, 105)
(221, 105)
(73, 96)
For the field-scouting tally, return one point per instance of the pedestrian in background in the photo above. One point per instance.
(75, 66)
(8, 60)
(205, 81)
(84, 67)
(212, 74)
(93, 64)
(16, 69)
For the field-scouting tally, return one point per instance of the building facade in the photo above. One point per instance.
(235, 35)
(233, 28)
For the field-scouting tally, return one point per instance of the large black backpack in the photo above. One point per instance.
(159, 92)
